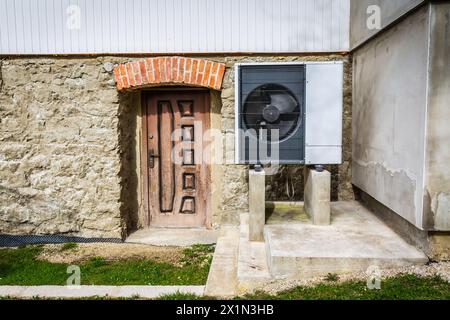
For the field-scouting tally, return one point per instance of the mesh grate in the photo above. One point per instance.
(7, 240)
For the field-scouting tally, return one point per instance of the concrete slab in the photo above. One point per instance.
(222, 277)
(252, 270)
(355, 240)
(149, 292)
(174, 237)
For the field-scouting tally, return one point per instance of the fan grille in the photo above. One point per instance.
(272, 107)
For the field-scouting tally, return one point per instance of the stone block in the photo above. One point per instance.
(317, 196)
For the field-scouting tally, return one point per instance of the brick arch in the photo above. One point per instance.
(163, 71)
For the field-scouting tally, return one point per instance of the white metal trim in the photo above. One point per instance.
(304, 62)
(236, 113)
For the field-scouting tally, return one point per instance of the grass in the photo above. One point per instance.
(403, 287)
(20, 267)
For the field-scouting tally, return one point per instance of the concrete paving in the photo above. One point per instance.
(149, 292)
(222, 277)
(355, 240)
(174, 237)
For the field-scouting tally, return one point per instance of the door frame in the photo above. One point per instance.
(144, 150)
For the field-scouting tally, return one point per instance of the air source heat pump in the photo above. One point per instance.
(294, 111)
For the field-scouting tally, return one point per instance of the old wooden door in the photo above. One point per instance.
(176, 157)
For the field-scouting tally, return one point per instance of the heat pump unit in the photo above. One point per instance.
(289, 113)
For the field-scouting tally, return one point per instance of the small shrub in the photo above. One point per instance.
(69, 246)
(96, 262)
(332, 277)
(198, 254)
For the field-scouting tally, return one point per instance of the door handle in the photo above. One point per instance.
(151, 158)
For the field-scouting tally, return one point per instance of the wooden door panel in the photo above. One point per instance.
(166, 172)
(177, 168)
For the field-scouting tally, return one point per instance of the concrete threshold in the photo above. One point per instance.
(173, 236)
(149, 292)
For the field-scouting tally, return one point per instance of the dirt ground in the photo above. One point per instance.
(110, 251)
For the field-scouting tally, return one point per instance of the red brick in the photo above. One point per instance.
(168, 69)
(193, 79)
(174, 69)
(130, 74)
(187, 71)
(207, 73)
(162, 69)
(180, 71)
(212, 79)
(143, 70)
(124, 76)
(156, 70)
(200, 72)
(219, 77)
(150, 71)
(137, 73)
(118, 78)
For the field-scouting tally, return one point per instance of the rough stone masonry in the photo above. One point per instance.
(65, 148)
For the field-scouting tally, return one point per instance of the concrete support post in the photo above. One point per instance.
(257, 205)
(317, 196)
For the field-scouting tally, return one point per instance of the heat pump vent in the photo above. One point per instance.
(289, 113)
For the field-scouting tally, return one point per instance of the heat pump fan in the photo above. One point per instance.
(292, 111)
(272, 107)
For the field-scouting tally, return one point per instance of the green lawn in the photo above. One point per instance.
(404, 287)
(20, 267)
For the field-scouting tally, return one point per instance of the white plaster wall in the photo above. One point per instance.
(389, 116)
(437, 167)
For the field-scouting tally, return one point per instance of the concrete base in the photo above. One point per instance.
(256, 203)
(317, 196)
(252, 270)
(222, 277)
(355, 240)
(173, 237)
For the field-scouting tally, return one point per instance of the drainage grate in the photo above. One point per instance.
(7, 240)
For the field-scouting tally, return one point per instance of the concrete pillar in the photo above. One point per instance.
(317, 196)
(257, 205)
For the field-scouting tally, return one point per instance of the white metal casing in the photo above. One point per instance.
(323, 111)
(324, 108)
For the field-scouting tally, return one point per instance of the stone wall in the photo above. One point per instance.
(67, 148)
(59, 145)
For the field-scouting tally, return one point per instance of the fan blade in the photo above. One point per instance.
(284, 102)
